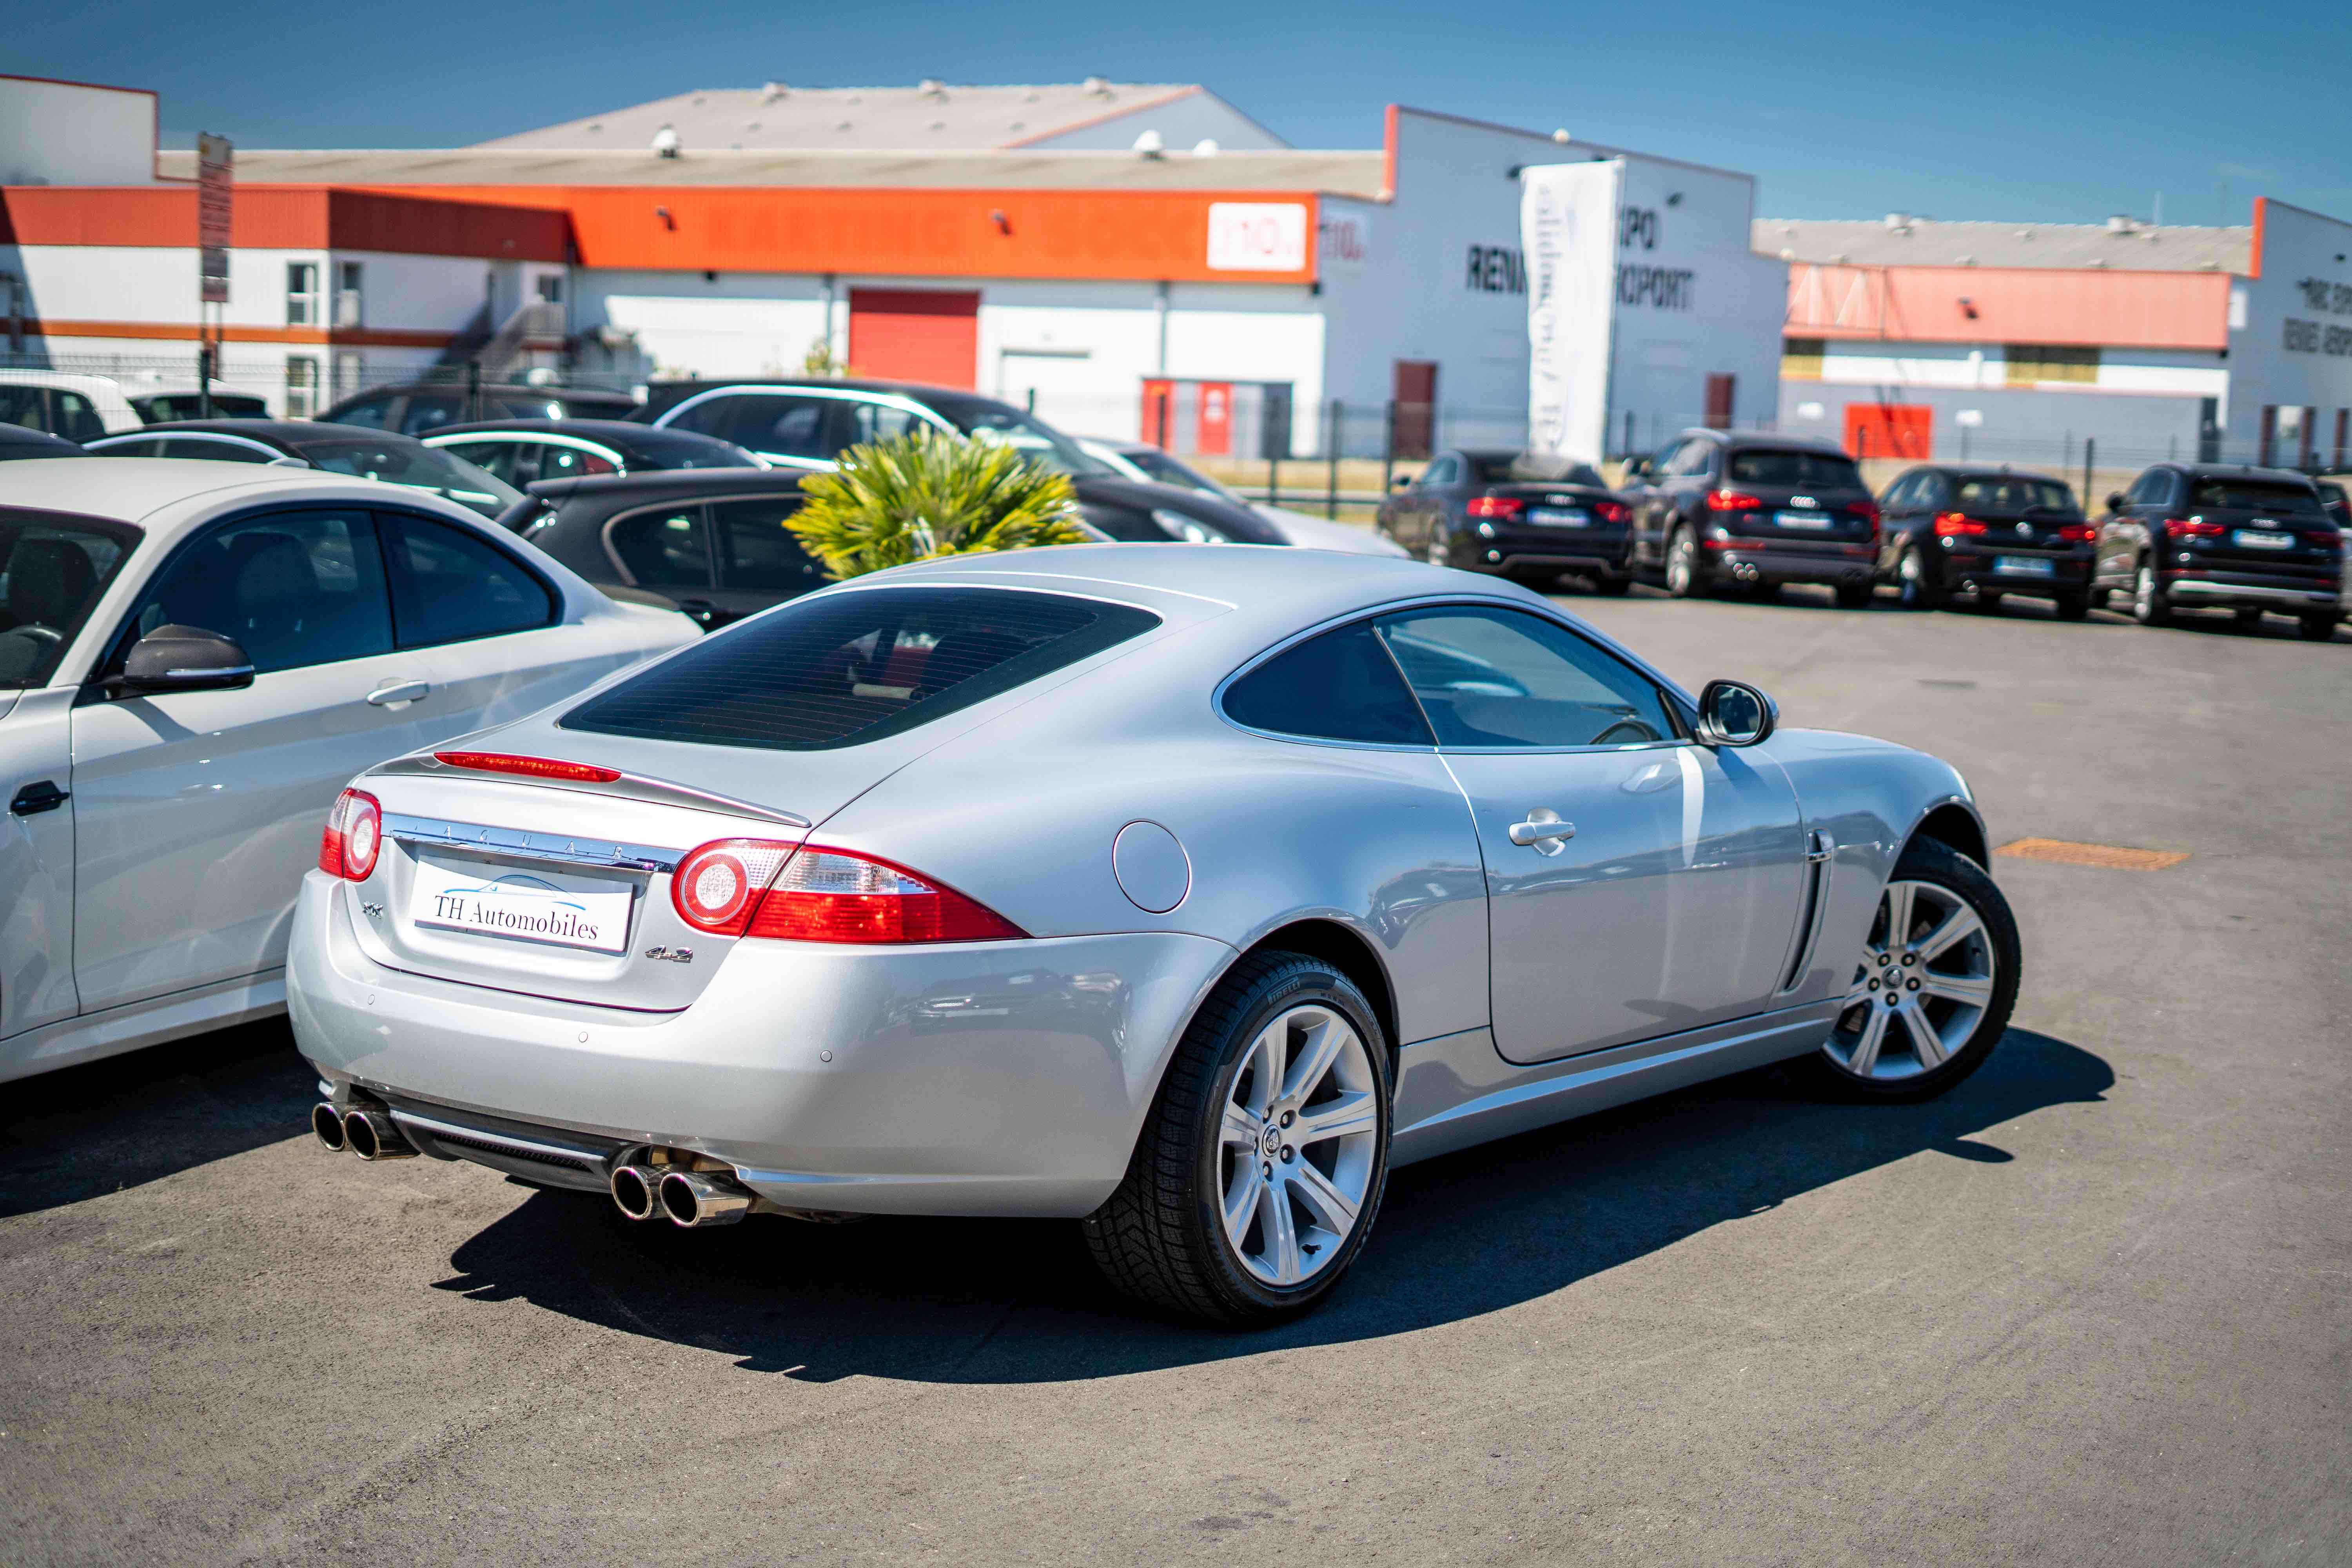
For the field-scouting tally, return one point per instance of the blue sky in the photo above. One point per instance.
(2038, 112)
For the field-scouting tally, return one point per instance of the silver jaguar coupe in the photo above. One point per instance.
(1181, 890)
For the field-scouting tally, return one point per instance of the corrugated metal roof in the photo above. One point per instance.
(933, 115)
(1343, 173)
(1930, 242)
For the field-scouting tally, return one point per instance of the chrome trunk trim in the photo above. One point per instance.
(561, 847)
(628, 787)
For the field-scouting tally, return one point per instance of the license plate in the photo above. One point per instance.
(2023, 566)
(1553, 516)
(1802, 519)
(547, 906)
(2250, 539)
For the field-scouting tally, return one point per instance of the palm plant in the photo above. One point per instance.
(926, 494)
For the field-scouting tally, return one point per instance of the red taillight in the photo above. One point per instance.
(715, 887)
(1865, 510)
(1611, 511)
(1949, 524)
(528, 767)
(832, 895)
(2077, 532)
(354, 833)
(1495, 506)
(1734, 501)
(2193, 527)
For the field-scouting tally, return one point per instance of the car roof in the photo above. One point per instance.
(291, 434)
(618, 431)
(1993, 472)
(918, 390)
(130, 489)
(503, 388)
(2237, 471)
(1772, 441)
(657, 482)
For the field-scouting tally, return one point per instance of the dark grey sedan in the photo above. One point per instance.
(1513, 514)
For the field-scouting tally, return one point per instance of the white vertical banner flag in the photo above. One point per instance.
(1568, 226)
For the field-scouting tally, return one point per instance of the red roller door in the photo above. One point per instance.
(916, 334)
(1905, 431)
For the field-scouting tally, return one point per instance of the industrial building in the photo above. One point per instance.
(1918, 338)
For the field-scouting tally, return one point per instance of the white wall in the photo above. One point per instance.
(62, 134)
(2295, 346)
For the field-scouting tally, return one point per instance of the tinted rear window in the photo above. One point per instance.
(1818, 470)
(2251, 495)
(1342, 686)
(2010, 497)
(841, 669)
(1529, 469)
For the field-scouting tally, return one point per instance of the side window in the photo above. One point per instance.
(428, 412)
(869, 422)
(1340, 685)
(757, 553)
(21, 406)
(510, 460)
(1697, 458)
(293, 588)
(372, 415)
(2153, 488)
(1446, 470)
(664, 548)
(76, 417)
(1498, 678)
(1903, 493)
(1662, 466)
(713, 418)
(1932, 492)
(788, 427)
(448, 585)
(212, 451)
(568, 463)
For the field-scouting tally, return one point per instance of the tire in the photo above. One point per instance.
(1684, 577)
(2098, 597)
(2316, 628)
(2072, 606)
(2149, 607)
(1987, 604)
(1162, 1237)
(1977, 963)
(1438, 550)
(1610, 586)
(1919, 588)
(2247, 617)
(1854, 595)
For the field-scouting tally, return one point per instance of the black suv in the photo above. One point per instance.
(2206, 535)
(1758, 510)
(1985, 532)
(709, 542)
(422, 408)
(1514, 514)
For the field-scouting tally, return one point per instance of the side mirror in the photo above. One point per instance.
(2115, 500)
(181, 658)
(1401, 482)
(1637, 467)
(1733, 713)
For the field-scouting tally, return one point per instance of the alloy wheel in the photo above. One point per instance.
(1922, 987)
(1297, 1139)
(2148, 607)
(1682, 564)
(1437, 551)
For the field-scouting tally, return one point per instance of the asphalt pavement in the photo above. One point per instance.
(2091, 1308)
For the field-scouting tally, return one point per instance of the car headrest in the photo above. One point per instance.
(48, 579)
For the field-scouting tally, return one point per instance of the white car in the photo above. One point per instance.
(1141, 460)
(195, 656)
(84, 407)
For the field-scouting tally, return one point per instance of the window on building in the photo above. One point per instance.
(349, 310)
(551, 288)
(302, 294)
(301, 387)
(1802, 358)
(351, 372)
(2030, 363)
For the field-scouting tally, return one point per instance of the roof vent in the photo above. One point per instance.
(932, 88)
(665, 142)
(1018, 125)
(1786, 254)
(841, 125)
(939, 125)
(2095, 261)
(1150, 144)
(2120, 222)
(772, 91)
(1206, 147)
(596, 125)
(1561, 135)
(2025, 234)
(1095, 86)
(699, 99)
(1898, 223)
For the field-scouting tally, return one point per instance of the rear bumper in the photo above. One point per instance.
(1558, 550)
(2069, 574)
(1781, 563)
(965, 1078)
(2302, 597)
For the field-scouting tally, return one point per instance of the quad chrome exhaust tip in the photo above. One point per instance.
(693, 1199)
(327, 1126)
(371, 1134)
(636, 1190)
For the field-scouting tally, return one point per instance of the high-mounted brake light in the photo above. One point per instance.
(1949, 524)
(354, 833)
(1734, 501)
(832, 895)
(528, 767)
(1495, 506)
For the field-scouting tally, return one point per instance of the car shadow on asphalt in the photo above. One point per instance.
(1475, 1232)
(133, 1118)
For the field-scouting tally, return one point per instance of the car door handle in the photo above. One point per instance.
(36, 798)
(1543, 828)
(399, 691)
